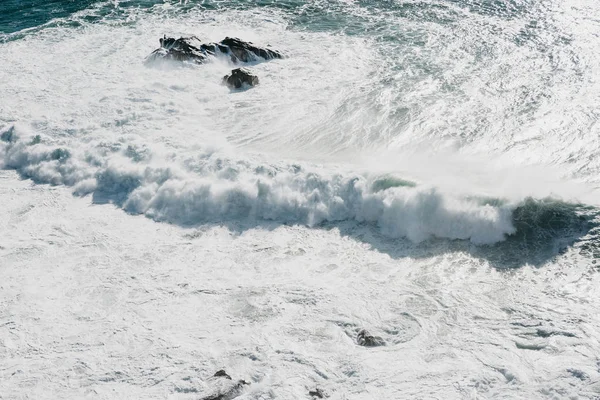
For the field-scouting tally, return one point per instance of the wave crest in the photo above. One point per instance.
(215, 189)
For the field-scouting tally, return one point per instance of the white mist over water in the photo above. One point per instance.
(285, 218)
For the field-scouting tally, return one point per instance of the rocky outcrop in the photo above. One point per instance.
(241, 51)
(221, 373)
(240, 78)
(191, 49)
(225, 387)
(364, 338)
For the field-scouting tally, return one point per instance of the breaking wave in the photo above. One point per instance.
(212, 188)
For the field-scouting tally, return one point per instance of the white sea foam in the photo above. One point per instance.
(388, 120)
(222, 189)
(172, 143)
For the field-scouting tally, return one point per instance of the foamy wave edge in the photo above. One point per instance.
(210, 188)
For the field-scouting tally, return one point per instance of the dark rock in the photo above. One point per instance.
(182, 49)
(246, 51)
(318, 393)
(190, 49)
(231, 393)
(222, 373)
(364, 338)
(239, 78)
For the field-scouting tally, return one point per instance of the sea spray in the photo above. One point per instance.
(288, 194)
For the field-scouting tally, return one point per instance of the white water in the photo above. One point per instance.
(278, 244)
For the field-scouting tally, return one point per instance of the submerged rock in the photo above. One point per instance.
(222, 373)
(229, 393)
(225, 388)
(364, 338)
(191, 49)
(239, 78)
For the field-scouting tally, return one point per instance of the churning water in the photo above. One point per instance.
(426, 170)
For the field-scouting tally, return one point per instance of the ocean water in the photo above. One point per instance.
(425, 170)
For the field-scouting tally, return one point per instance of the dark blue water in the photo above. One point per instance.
(16, 15)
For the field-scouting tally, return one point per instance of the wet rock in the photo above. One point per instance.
(364, 338)
(241, 51)
(222, 373)
(191, 49)
(183, 49)
(317, 393)
(230, 393)
(225, 388)
(239, 78)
